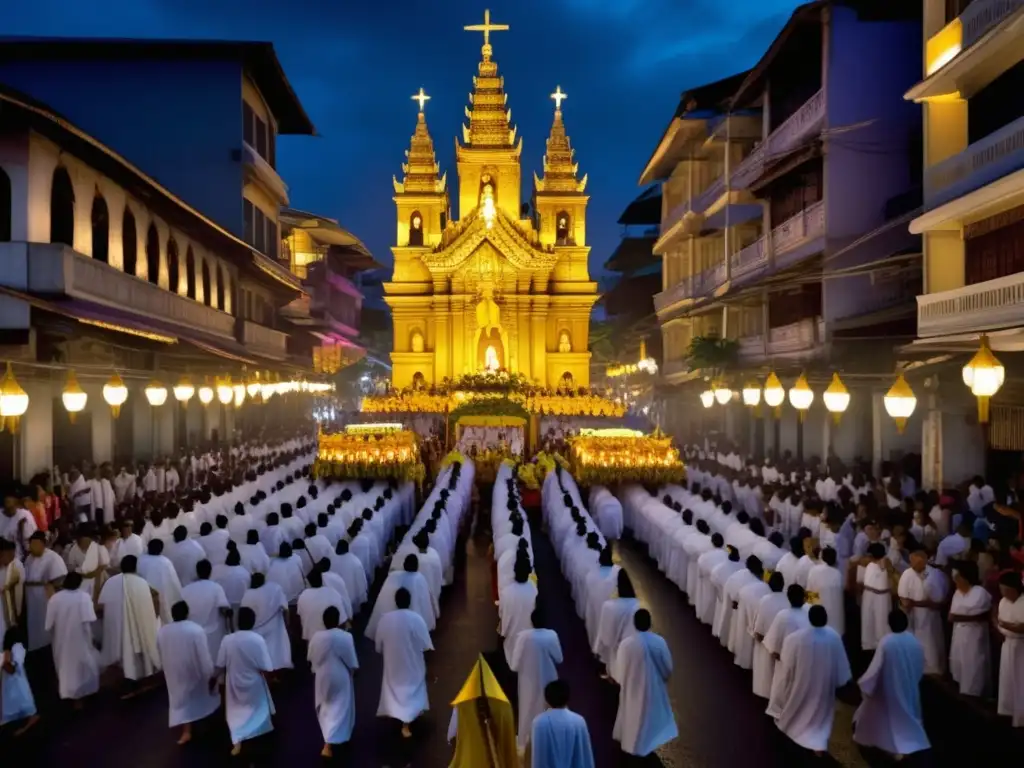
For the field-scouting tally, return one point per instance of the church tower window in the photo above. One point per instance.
(416, 229)
(563, 224)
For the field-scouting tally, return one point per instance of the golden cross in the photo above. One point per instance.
(421, 97)
(559, 97)
(487, 27)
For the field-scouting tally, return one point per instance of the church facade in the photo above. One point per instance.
(505, 286)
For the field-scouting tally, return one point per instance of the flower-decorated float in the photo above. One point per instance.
(370, 451)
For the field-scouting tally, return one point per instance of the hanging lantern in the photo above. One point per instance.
(774, 394)
(184, 390)
(225, 392)
(115, 393)
(267, 389)
(722, 392)
(801, 395)
(156, 393)
(836, 398)
(239, 393)
(206, 394)
(13, 401)
(73, 396)
(707, 398)
(253, 387)
(984, 375)
(900, 402)
(752, 394)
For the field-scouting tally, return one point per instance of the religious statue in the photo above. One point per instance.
(416, 231)
(487, 208)
(491, 362)
(488, 315)
(417, 341)
(564, 344)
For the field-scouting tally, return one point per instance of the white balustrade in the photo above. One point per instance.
(803, 123)
(981, 15)
(805, 226)
(265, 340)
(984, 161)
(749, 259)
(974, 308)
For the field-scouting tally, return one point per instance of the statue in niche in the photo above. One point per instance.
(491, 362)
(417, 341)
(488, 314)
(564, 342)
(562, 227)
(416, 230)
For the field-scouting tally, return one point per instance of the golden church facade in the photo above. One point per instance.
(496, 288)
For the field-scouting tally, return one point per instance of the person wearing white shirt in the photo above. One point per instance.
(1010, 623)
(954, 545)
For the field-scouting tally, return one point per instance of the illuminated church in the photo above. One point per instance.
(506, 286)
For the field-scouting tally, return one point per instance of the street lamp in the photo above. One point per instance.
(205, 394)
(156, 393)
(115, 393)
(225, 393)
(707, 398)
(801, 395)
(13, 399)
(984, 375)
(722, 392)
(774, 394)
(751, 394)
(900, 402)
(73, 396)
(836, 398)
(184, 390)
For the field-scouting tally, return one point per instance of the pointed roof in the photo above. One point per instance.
(559, 165)
(420, 167)
(480, 683)
(490, 119)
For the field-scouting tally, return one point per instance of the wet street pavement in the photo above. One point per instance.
(721, 724)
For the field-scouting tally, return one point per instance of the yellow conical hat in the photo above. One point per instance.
(480, 678)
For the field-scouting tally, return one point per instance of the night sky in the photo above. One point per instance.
(355, 65)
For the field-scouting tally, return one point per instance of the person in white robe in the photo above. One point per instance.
(286, 571)
(558, 736)
(313, 601)
(268, 603)
(969, 654)
(516, 604)
(812, 667)
(12, 586)
(128, 607)
(741, 633)
(826, 582)
(214, 541)
(536, 655)
(88, 558)
(44, 571)
(732, 578)
(233, 579)
(70, 616)
(707, 563)
(644, 720)
(16, 524)
(428, 559)
(332, 655)
(923, 592)
(208, 606)
(155, 568)
(244, 662)
(188, 668)
(254, 557)
(129, 543)
(347, 565)
(889, 716)
(16, 700)
(402, 638)
(411, 580)
(876, 600)
(184, 553)
(616, 622)
(1010, 623)
(785, 623)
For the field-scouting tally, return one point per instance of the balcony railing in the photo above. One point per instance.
(265, 172)
(806, 226)
(974, 308)
(983, 162)
(981, 15)
(749, 259)
(803, 123)
(57, 270)
(264, 341)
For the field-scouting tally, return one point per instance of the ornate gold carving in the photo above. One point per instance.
(502, 235)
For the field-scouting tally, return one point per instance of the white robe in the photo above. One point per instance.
(402, 637)
(46, 568)
(270, 606)
(771, 605)
(311, 606)
(889, 717)
(129, 626)
(429, 565)
(1010, 700)
(537, 653)
(786, 622)
(94, 557)
(813, 666)
(731, 594)
(16, 700)
(614, 626)
(205, 600)
(926, 623)
(184, 556)
(560, 740)
(421, 603)
(244, 658)
(188, 667)
(600, 585)
(874, 607)
(215, 545)
(160, 573)
(12, 581)
(69, 620)
(332, 654)
(129, 545)
(234, 580)
(969, 658)
(644, 720)
(516, 604)
(351, 570)
(827, 582)
(741, 632)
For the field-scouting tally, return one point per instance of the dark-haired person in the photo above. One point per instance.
(348, 567)
(748, 602)
(644, 720)
(233, 579)
(314, 600)
(616, 622)
(188, 667)
(825, 581)
(889, 717)
(1010, 623)
(876, 599)
(127, 597)
(70, 618)
(415, 584)
(159, 571)
(268, 602)
(332, 655)
(402, 638)
(969, 654)
(208, 605)
(786, 622)
(184, 554)
(244, 662)
(559, 737)
(17, 703)
(534, 659)
(44, 570)
(813, 666)
(706, 563)
(923, 592)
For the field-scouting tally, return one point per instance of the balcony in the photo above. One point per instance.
(264, 172)
(989, 159)
(793, 340)
(976, 308)
(801, 125)
(57, 270)
(265, 341)
(796, 231)
(681, 291)
(749, 259)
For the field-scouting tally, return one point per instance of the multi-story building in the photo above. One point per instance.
(972, 223)
(786, 192)
(139, 226)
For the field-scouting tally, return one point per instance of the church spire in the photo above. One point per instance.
(559, 165)
(489, 117)
(420, 167)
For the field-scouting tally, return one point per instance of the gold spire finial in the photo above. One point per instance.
(487, 28)
(421, 97)
(559, 97)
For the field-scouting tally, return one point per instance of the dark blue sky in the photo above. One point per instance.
(355, 65)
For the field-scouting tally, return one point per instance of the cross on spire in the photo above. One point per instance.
(487, 27)
(421, 97)
(558, 96)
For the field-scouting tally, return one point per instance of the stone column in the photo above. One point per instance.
(538, 338)
(442, 339)
(458, 345)
(34, 443)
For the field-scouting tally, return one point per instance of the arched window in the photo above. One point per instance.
(416, 229)
(563, 227)
(5, 207)
(221, 278)
(62, 208)
(153, 254)
(129, 242)
(207, 298)
(416, 342)
(190, 273)
(172, 265)
(566, 381)
(419, 381)
(100, 229)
